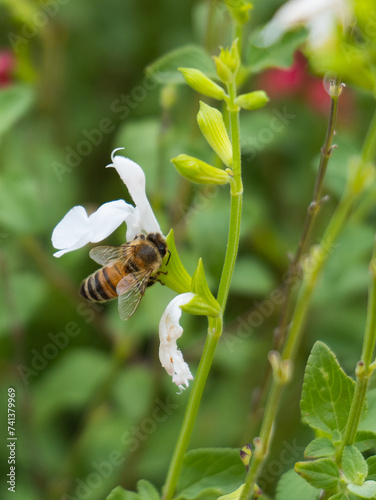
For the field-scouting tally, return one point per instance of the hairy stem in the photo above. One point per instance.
(357, 184)
(309, 222)
(311, 215)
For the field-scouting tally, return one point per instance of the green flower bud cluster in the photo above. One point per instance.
(210, 120)
(239, 10)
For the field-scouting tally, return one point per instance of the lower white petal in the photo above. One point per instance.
(169, 331)
(71, 228)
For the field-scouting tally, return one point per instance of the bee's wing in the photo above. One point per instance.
(131, 289)
(107, 255)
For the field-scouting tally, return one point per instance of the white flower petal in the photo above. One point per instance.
(320, 16)
(107, 218)
(134, 178)
(76, 229)
(71, 228)
(169, 331)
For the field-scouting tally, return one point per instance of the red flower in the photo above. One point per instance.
(7, 65)
(296, 81)
(279, 83)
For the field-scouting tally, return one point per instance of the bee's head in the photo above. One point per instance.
(158, 240)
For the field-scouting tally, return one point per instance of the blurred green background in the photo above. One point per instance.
(94, 407)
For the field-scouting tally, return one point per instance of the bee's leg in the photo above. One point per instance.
(152, 280)
(169, 256)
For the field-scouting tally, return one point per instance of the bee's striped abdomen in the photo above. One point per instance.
(101, 285)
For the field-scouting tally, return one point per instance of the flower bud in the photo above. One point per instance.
(252, 100)
(282, 368)
(223, 71)
(198, 171)
(239, 10)
(212, 126)
(245, 455)
(228, 63)
(168, 96)
(201, 83)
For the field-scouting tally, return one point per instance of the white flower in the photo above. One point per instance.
(169, 331)
(319, 16)
(77, 229)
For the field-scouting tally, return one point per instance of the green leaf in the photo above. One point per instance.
(147, 490)
(235, 495)
(371, 463)
(280, 55)
(365, 440)
(354, 465)
(292, 487)
(322, 473)
(366, 490)
(327, 391)
(339, 496)
(165, 69)
(15, 101)
(209, 473)
(120, 493)
(320, 447)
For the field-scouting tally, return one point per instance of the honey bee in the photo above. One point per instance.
(126, 273)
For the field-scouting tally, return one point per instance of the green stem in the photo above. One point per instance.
(356, 186)
(215, 325)
(355, 413)
(363, 371)
(369, 145)
(370, 333)
(236, 205)
(214, 333)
